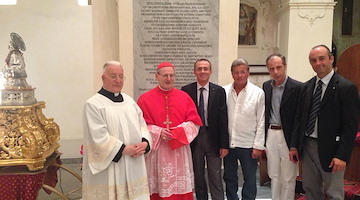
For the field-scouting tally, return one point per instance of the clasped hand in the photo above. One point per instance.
(135, 150)
(165, 134)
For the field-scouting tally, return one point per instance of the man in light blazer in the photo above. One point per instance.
(281, 102)
(212, 141)
(327, 129)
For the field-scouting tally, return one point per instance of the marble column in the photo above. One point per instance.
(302, 24)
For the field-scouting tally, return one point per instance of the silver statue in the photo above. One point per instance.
(14, 68)
(15, 91)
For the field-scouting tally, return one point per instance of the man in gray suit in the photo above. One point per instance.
(212, 141)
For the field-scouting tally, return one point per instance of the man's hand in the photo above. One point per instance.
(135, 150)
(129, 150)
(293, 155)
(223, 152)
(165, 134)
(337, 165)
(140, 149)
(256, 153)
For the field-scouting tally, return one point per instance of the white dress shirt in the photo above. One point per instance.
(246, 113)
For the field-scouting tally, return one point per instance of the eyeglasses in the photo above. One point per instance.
(114, 77)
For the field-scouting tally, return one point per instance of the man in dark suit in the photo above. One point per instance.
(281, 101)
(212, 141)
(327, 128)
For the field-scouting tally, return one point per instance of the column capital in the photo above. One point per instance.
(311, 11)
(309, 5)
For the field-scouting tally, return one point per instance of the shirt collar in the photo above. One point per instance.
(326, 79)
(205, 86)
(112, 96)
(282, 85)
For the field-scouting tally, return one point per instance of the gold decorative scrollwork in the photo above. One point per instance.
(27, 137)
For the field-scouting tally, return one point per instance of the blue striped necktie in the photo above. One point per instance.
(315, 107)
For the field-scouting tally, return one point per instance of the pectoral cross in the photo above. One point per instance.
(167, 122)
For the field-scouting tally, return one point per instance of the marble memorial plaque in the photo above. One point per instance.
(176, 31)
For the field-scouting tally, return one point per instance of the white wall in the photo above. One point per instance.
(126, 46)
(105, 27)
(306, 25)
(228, 39)
(59, 61)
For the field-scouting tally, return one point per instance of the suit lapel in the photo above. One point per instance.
(193, 94)
(268, 90)
(307, 99)
(309, 92)
(330, 89)
(211, 97)
(288, 90)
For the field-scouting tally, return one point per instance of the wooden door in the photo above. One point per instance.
(348, 64)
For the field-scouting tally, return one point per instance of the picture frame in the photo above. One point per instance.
(258, 69)
(247, 25)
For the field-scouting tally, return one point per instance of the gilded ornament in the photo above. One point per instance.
(27, 137)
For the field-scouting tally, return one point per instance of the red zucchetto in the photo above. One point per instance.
(165, 64)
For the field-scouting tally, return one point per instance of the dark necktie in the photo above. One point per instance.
(201, 106)
(314, 109)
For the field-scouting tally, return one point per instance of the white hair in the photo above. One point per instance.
(111, 62)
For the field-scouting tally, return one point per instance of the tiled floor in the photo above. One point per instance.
(71, 186)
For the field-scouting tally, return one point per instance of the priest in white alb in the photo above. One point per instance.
(115, 141)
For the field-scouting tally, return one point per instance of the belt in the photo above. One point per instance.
(275, 127)
(312, 139)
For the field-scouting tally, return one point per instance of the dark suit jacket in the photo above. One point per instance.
(217, 117)
(338, 119)
(288, 105)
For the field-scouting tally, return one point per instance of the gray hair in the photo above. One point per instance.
(111, 62)
(283, 59)
(238, 62)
